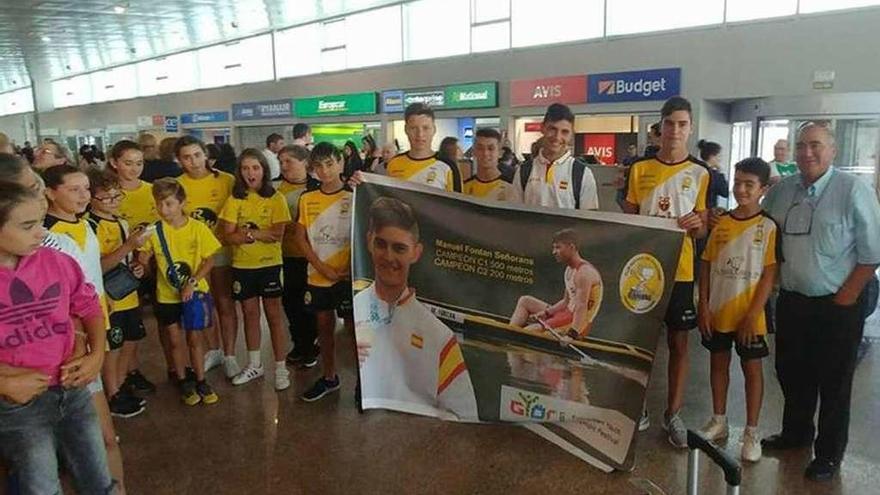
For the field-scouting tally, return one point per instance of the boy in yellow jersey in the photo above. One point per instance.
(736, 277)
(294, 182)
(581, 299)
(252, 222)
(420, 164)
(207, 190)
(117, 243)
(191, 245)
(488, 182)
(674, 184)
(323, 232)
(410, 360)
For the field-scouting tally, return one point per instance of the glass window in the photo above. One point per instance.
(436, 28)
(809, 6)
(72, 91)
(371, 29)
(490, 10)
(115, 84)
(171, 74)
(745, 10)
(239, 62)
(490, 37)
(538, 23)
(298, 51)
(638, 16)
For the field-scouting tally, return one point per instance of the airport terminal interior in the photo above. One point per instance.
(237, 87)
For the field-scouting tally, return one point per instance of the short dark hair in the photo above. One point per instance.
(184, 141)
(566, 236)
(240, 189)
(11, 167)
(488, 132)
(675, 104)
(213, 151)
(13, 194)
(54, 176)
(300, 130)
(102, 180)
(273, 138)
(755, 166)
(168, 186)
(557, 112)
(708, 149)
(655, 129)
(323, 151)
(417, 108)
(121, 147)
(301, 153)
(392, 212)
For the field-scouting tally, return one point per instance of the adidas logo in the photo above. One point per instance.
(26, 312)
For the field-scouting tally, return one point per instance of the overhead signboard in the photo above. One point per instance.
(346, 104)
(456, 96)
(259, 110)
(644, 85)
(172, 124)
(204, 117)
(543, 92)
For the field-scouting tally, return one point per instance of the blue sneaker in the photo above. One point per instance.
(321, 388)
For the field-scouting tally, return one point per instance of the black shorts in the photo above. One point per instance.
(681, 315)
(721, 342)
(256, 282)
(168, 313)
(337, 297)
(130, 322)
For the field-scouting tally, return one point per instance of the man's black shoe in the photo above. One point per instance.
(782, 442)
(821, 470)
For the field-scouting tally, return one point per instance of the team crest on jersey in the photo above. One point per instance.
(641, 283)
(416, 341)
(307, 298)
(205, 215)
(236, 287)
(432, 176)
(687, 183)
(344, 207)
(563, 185)
(178, 274)
(758, 238)
(664, 203)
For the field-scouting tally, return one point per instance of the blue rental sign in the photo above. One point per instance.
(257, 110)
(643, 85)
(392, 101)
(171, 123)
(204, 117)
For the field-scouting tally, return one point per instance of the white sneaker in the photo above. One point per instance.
(751, 449)
(677, 430)
(715, 430)
(282, 379)
(231, 367)
(644, 421)
(213, 358)
(247, 374)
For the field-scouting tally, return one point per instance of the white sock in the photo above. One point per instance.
(720, 418)
(254, 359)
(280, 365)
(752, 431)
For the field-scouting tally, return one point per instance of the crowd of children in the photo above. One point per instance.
(194, 246)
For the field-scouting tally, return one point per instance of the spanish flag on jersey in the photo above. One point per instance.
(429, 171)
(738, 251)
(671, 190)
(327, 220)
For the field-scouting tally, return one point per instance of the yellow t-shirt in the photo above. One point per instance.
(256, 212)
(738, 251)
(111, 234)
(670, 190)
(189, 246)
(428, 171)
(498, 189)
(205, 197)
(138, 207)
(291, 192)
(327, 220)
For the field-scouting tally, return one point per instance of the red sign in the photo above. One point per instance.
(542, 92)
(158, 121)
(533, 126)
(601, 146)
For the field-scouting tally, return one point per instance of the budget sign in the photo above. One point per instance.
(646, 85)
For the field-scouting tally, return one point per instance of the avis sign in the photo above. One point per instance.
(543, 92)
(645, 85)
(601, 146)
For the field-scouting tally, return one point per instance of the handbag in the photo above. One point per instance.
(119, 282)
(198, 312)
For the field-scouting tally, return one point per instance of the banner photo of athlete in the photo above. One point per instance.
(480, 311)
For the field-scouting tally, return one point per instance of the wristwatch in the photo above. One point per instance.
(192, 281)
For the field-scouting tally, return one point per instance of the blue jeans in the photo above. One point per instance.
(57, 422)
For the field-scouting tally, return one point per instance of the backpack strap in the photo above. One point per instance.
(172, 273)
(577, 180)
(525, 171)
